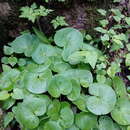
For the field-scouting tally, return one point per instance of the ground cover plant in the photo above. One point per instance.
(70, 80)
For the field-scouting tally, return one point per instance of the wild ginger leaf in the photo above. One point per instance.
(103, 99)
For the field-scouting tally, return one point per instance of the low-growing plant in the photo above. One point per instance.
(54, 87)
(33, 13)
(59, 21)
(111, 36)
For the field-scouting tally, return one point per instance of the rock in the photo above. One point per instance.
(4, 9)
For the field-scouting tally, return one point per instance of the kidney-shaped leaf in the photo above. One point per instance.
(37, 105)
(38, 82)
(84, 76)
(106, 123)
(85, 57)
(121, 112)
(86, 121)
(68, 35)
(59, 85)
(103, 99)
(23, 44)
(25, 117)
(8, 78)
(42, 52)
(69, 38)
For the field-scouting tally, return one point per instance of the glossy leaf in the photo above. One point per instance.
(38, 82)
(69, 38)
(86, 121)
(121, 112)
(59, 85)
(103, 99)
(25, 117)
(83, 76)
(106, 123)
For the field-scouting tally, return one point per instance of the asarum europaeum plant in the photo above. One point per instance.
(53, 86)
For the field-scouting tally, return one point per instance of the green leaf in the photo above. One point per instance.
(25, 117)
(121, 112)
(38, 82)
(8, 50)
(52, 125)
(116, 1)
(127, 19)
(83, 56)
(105, 37)
(69, 38)
(22, 61)
(75, 93)
(4, 95)
(101, 30)
(102, 12)
(106, 123)
(119, 87)
(8, 103)
(59, 21)
(66, 116)
(101, 78)
(81, 103)
(103, 99)
(37, 105)
(17, 93)
(117, 18)
(117, 12)
(54, 110)
(83, 76)
(73, 127)
(32, 13)
(4, 60)
(41, 36)
(88, 37)
(113, 69)
(58, 65)
(36, 68)
(85, 121)
(12, 61)
(59, 85)
(23, 44)
(127, 60)
(8, 118)
(8, 78)
(104, 22)
(42, 52)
